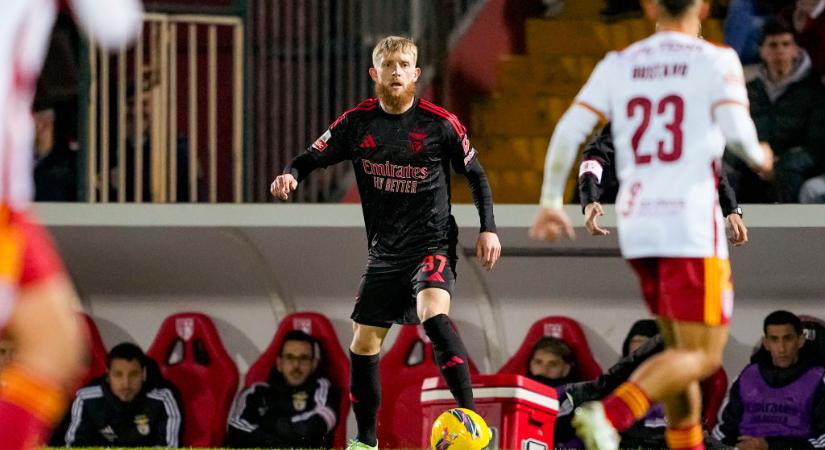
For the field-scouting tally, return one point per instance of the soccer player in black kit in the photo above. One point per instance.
(401, 148)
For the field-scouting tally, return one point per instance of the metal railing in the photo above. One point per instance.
(148, 136)
(309, 64)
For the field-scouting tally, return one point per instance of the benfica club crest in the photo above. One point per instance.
(185, 327)
(299, 400)
(417, 140)
(142, 424)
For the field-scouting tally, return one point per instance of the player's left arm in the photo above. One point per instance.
(465, 161)
(591, 107)
(736, 230)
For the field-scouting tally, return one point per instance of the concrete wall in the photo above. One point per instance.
(249, 265)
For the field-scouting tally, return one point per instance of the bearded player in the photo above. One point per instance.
(401, 148)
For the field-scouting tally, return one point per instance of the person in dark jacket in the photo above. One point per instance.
(598, 184)
(122, 409)
(778, 401)
(787, 103)
(295, 408)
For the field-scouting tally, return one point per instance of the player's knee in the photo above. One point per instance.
(365, 345)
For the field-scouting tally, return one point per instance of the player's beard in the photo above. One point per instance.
(394, 102)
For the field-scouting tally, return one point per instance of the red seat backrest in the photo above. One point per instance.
(203, 372)
(565, 329)
(334, 365)
(403, 368)
(97, 351)
(714, 388)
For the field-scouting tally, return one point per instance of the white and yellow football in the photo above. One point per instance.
(460, 429)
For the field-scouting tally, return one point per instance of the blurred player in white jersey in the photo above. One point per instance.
(37, 301)
(674, 101)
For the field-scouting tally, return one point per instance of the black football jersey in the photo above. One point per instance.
(402, 166)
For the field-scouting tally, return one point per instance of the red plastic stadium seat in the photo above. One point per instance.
(97, 351)
(565, 329)
(714, 388)
(190, 354)
(403, 368)
(334, 365)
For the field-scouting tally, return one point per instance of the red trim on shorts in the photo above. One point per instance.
(686, 289)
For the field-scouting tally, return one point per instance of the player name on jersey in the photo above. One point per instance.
(657, 71)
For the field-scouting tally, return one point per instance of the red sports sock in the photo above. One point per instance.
(29, 406)
(687, 438)
(626, 405)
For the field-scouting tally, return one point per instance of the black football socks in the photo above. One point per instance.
(365, 394)
(451, 357)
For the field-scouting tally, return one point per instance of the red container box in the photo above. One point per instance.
(521, 412)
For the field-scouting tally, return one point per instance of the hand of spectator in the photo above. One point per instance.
(283, 185)
(591, 213)
(549, 225)
(488, 249)
(751, 443)
(765, 171)
(736, 230)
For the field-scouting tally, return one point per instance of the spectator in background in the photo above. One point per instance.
(808, 20)
(788, 108)
(55, 167)
(778, 401)
(295, 408)
(551, 362)
(744, 22)
(124, 408)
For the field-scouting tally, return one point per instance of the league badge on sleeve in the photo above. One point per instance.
(320, 144)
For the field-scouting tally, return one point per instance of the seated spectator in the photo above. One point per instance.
(551, 362)
(649, 432)
(808, 20)
(788, 108)
(123, 409)
(743, 25)
(778, 401)
(294, 409)
(55, 164)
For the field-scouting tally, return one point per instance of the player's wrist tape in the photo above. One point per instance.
(554, 202)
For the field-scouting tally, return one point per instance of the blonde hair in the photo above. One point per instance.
(392, 44)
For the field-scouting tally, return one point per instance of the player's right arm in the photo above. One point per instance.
(112, 23)
(730, 108)
(598, 157)
(332, 147)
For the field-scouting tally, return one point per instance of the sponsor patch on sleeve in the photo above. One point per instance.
(593, 167)
(468, 156)
(465, 142)
(320, 144)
